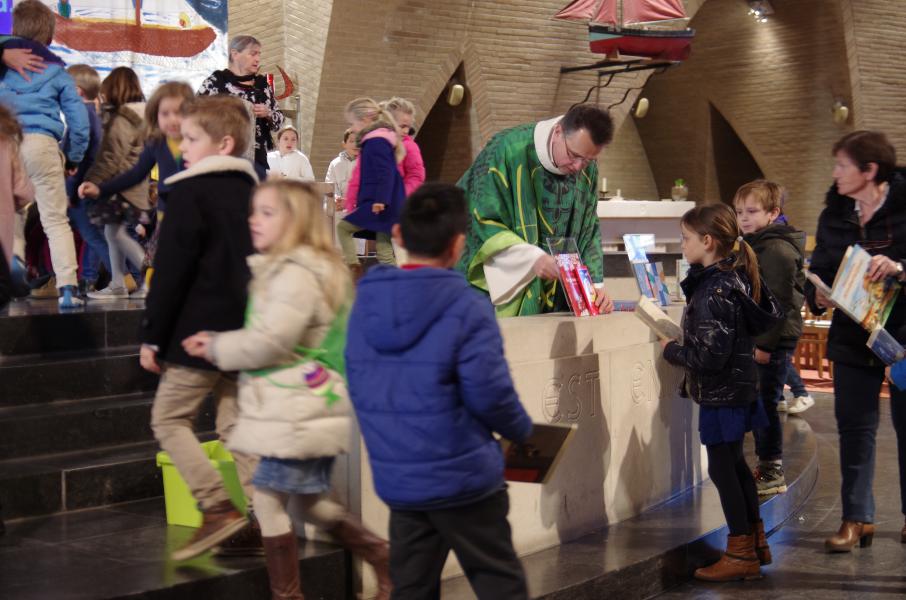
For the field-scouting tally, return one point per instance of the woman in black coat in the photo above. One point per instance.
(241, 79)
(865, 206)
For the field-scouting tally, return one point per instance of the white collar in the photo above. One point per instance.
(215, 164)
(543, 131)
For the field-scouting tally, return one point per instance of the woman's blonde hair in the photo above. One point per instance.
(719, 221)
(170, 89)
(306, 225)
(397, 104)
(377, 117)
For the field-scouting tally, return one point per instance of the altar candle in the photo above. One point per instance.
(603, 184)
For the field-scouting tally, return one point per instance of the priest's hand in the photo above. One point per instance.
(603, 301)
(546, 267)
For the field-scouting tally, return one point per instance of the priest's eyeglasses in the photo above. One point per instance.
(574, 157)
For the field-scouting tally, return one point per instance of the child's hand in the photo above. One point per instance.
(148, 359)
(664, 343)
(762, 357)
(340, 203)
(378, 208)
(89, 190)
(198, 345)
(604, 302)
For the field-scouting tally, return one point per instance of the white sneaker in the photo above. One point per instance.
(140, 293)
(109, 293)
(782, 406)
(801, 404)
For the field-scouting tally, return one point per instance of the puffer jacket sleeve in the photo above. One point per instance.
(484, 376)
(270, 335)
(708, 345)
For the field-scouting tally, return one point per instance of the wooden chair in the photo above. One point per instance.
(812, 348)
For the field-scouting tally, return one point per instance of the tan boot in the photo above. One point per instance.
(218, 523)
(372, 549)
(761, 544)
(738, 562)
(850, 534)
(281, 553)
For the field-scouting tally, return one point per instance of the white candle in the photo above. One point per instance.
(603, 184)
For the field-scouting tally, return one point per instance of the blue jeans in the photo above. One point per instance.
(96, 250)
(795, 381)
(771, 379)
(856, 392)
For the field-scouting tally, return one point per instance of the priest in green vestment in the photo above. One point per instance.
(530, 183)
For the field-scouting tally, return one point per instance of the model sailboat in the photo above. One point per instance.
(108, 35)
(618, 27)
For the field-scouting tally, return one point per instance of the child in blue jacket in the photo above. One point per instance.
(38, 103)
(430, 385)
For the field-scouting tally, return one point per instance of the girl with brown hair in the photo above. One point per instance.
(121, 146)
(727, 307)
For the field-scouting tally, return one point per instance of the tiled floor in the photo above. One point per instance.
(801, 568)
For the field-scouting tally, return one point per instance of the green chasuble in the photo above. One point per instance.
(513, 200)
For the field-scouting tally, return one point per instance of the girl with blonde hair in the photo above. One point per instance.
(294, 410)
(412, 167)
(381, 191)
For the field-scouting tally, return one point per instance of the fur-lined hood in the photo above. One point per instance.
(215, 164)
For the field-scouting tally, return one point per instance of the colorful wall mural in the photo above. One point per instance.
(162, 40)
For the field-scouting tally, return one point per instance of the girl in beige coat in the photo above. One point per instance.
(293, 412)
(16, 190)
(123, 140)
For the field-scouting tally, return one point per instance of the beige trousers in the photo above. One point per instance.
(43, 163)
(179, 397)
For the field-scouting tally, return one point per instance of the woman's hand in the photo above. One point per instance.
(603, 301)
(821, 301)
(89, 190)
(262, 111)
(198, 345)
(546, 267)
(377, 208)
(664, 343)
(762, 357)
(148, 359)
(881, 267)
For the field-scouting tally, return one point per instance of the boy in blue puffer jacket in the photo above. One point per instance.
(429, 382)
(37, 103)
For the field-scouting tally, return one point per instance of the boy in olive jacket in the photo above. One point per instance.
(780, 251)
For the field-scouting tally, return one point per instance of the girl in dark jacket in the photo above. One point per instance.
(865, 206)
(727, 307)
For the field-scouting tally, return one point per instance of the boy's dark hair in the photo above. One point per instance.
(34, 21)
(866, 147)
(433, 216)
(593, 119)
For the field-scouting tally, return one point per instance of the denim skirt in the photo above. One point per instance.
(309, 476)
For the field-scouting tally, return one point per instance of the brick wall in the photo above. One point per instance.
(774, 84)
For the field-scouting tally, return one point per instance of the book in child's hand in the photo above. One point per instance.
(866, 302)
(660, 322)
(534, 460)
(885, 346)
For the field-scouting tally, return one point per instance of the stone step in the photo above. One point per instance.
(121, 552)
(71, 481)
(30, 379)
(40, 429)
(38, 327)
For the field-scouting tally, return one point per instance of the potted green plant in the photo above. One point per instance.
(679, 192)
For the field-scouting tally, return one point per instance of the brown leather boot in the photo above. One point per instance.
(738, 562)
(246, 542)
(372, 549)
(281, 553)
(761, 544)
(850, 534)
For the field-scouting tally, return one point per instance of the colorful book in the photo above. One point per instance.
(866, 302)
(885, 346)
(588, 289)
(535, 460)
(657, 320)
(567, 263)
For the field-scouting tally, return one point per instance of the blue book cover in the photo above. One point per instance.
(885, 346)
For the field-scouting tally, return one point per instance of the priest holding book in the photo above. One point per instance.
(530, 183)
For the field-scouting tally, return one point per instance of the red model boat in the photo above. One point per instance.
(100, 35)
(608, 32)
